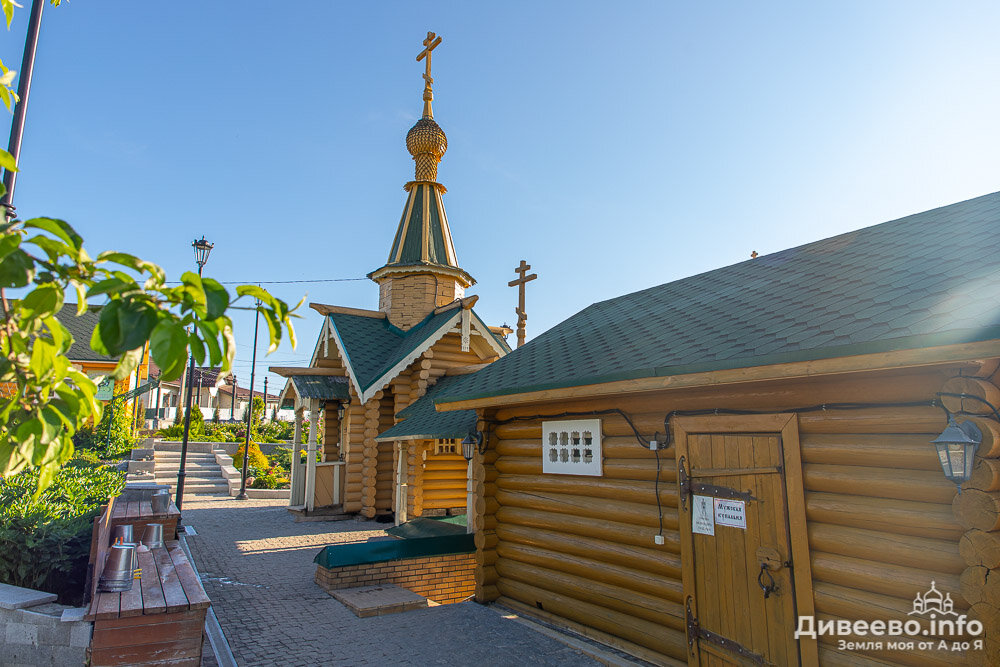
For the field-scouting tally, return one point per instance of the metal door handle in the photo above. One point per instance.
(771, 586)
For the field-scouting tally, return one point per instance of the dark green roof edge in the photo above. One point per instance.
(872, 347)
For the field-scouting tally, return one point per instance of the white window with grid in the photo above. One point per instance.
(572, 447)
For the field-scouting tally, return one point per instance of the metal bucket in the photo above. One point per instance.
(119, 569)
(160, 501)
(152, 537)
(122, 533)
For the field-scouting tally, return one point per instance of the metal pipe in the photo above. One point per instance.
(21, 108)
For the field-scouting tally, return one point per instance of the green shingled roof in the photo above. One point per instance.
(373, 347)
(323, 387)
(927, 279)
(422, 421)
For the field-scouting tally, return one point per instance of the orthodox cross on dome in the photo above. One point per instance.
(430, 44)
(522, 317)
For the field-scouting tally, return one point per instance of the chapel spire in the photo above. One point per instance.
(422, 270)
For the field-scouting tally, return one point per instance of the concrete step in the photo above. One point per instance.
(205, 447)
(201, 487)
(176, 456)
(190, 474)
(190, 463)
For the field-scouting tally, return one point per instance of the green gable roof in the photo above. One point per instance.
(323, 387)
(422, 421)
(372, 347)
(927, 279)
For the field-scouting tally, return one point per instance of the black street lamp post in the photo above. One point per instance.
(246, 447)
(202, 248)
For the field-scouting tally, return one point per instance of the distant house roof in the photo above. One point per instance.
(924, 280)
(375, 351)
(82, 328)
(422, 422)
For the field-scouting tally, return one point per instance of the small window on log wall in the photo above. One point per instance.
(572, 447)
(446, 447)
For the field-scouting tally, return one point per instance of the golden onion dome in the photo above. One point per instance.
(426, 137)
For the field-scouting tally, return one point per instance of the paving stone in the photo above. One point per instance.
(366, 601)
(257, 567)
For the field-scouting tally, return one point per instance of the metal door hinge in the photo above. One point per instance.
(695, 632)
(687, 487)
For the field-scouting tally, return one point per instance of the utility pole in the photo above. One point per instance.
(21, 108)
(264, 417)
(246, 448)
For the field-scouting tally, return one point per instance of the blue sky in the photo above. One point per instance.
(614, 146)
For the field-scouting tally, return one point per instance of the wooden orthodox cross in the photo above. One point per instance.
(522, 316)
(430, 44)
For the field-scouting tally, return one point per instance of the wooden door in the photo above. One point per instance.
(744, 547)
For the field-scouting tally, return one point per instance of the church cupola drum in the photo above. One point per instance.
(422, 270)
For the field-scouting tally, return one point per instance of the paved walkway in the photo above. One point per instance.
(256, 565)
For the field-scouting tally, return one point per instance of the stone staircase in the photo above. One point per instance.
(203, 474)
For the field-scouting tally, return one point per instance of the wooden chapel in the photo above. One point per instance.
(370, 365)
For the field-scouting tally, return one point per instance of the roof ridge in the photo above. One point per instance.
(792, 249)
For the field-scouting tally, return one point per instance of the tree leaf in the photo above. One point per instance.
(210, 334)
(132, 262)
(9, 242)
(136, 320)
(59, 228)
(127, 363)
(216, 298)
(16, 269)
(6, 159)
(168, 345)
(109, 329)
(42, 301)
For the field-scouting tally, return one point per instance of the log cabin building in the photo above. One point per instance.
(686, 471)
(369, 365)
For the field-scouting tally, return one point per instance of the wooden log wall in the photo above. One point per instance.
(415, 477)
(444, 482)
(331, 446)
(977, 509)
(880, 521)
(331, 432)
(354, 455)
(369, 464)
(385, 473)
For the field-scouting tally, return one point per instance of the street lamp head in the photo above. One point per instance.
(202, 248)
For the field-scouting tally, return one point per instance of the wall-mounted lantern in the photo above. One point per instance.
(473, 443)
(956, 449)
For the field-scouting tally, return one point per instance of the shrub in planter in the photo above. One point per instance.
(45, 542)
(256, 458)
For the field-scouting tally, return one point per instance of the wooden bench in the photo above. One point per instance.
(162, 619)
(139, 513)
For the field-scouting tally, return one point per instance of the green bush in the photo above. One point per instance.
(281, 458)
(45, 542)
(256, 458)
(269, 479)
(97, 440)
